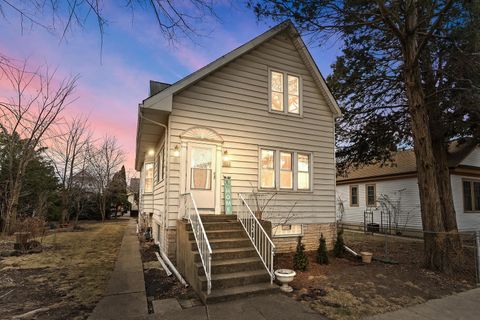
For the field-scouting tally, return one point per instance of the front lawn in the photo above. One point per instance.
(349, 289)
(67, 278)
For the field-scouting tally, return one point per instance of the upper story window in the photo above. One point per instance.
(148, 184)
(285, 170)
(471, 195)
(284, 91)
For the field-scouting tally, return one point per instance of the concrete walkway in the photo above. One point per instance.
(464, 306)
(125, 296)
(262, 307)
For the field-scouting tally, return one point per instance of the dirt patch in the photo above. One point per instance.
(160, 286)
(69, 276)
(349, 289)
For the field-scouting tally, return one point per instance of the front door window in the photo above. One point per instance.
(201, 168)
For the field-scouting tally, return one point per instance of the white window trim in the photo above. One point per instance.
(472, 194)
(160, 170)
(276, 167)
(285, 93)
(286, 234)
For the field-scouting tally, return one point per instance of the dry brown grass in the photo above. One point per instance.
(73, 270)
(348, 289)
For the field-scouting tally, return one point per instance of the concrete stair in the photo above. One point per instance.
(237, 270)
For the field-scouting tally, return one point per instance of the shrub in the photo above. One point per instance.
(322, 257)
(339, 248)
(300, 260)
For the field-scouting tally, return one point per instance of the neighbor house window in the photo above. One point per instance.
(267, 169)
(287, 230)
(148, 178)
(371, 197)
(471, 195)
(353, 196)
(284, 92)
(285, 170)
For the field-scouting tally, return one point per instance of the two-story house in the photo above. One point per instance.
(259, 119)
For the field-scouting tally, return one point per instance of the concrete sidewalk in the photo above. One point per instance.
(125, 296)
(275, 306)
(465, 306)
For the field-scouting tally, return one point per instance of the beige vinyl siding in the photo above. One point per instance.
(233, 101)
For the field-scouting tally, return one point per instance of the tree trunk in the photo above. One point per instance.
(64, 211)
(433, 225)
(12, 207)
(440, 152)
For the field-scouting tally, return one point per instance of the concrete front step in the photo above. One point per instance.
(229, 253)
(225, 243)
(235, 279)
(221, 234)
(219, 225)
(232, 265)
(239, 292)
(217, 218)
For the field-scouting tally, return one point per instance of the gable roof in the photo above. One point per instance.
(222, 61)
(403, 164)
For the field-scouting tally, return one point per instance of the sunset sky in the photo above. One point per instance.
(113, 81)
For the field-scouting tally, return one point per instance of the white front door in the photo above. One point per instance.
(201, 175)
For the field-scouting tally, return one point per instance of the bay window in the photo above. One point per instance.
(267, 172)
(285, 170)
(284, 92)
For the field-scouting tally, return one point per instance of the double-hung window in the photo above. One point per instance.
(353, 196)
(148, 184)
(160, 174)
(285, 170)
(370, 195)
(284, 91)
(471, 195)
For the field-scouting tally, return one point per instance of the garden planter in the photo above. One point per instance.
(285, 276)
(366, 257)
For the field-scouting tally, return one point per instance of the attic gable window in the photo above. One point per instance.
(284, 92)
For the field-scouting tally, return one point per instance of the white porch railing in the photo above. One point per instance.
(204, 249)
(259, 237)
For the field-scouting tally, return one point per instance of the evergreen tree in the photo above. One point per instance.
(408, 76)
(322, 257)
(300, 260)
(339, 248)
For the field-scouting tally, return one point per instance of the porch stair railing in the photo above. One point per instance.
(204, 249)
(259, 237)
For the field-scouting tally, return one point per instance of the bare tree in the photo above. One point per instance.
(104, 160)
(174, 18)
(27, 117)
(68, 155)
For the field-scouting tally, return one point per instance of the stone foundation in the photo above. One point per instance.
(171, 239)
(310, 238)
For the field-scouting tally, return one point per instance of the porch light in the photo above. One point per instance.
(151, 152)
(176, 151)
(226, 159)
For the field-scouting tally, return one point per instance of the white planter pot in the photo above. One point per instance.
(285, 276)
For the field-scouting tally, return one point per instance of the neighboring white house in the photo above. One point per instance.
(261, 115)
(394, 187)
(133, 190)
